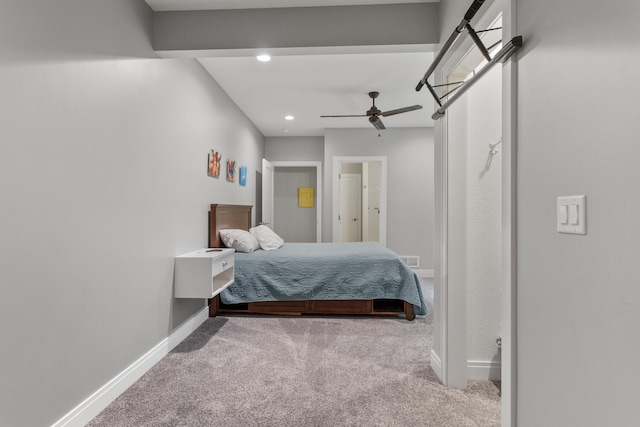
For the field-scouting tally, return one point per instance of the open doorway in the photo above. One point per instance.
(475, 165)
(359, 216)
(284, 185)
(475, 127)
(359, 199)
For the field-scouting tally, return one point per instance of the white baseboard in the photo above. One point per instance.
(484, 370)
(436, 364)
(94, 404)
(424, 274)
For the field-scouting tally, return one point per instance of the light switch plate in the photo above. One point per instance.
(575, 208)
(563, 215)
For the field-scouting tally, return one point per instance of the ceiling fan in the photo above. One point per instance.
(374, 113)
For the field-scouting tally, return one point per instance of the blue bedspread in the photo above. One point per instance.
(323, 271)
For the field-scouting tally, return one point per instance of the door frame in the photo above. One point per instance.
(267, 180)
(509, 224)
(318, 167)
(337, 164)
(451, 303)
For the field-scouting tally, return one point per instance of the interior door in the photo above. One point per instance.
(267, 193)
(350, 220)
(365, 202)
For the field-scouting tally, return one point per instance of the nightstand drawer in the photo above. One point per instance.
(203, 273)
(222, 264)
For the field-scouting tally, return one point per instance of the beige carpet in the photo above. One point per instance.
(302, 371)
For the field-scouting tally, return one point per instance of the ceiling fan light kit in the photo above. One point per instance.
(374, 113)
(377, 123)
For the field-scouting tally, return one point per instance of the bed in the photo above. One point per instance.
(313, 278)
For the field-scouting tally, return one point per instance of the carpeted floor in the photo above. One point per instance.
(303, 371)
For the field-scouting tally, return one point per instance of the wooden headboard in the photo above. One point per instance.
(227, 216)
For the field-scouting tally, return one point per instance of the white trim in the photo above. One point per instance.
(484, 370)
(441, 300)
(509, 229)
(336, 192)
(94, 404)
(412, 261)
(268, 179)
(436, 364)
(451, 279)
(424, 274)
(308, 164)
(294, 51)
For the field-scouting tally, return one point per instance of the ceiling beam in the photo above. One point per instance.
(388, 27)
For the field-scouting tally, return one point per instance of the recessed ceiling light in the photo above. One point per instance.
(289, 117)
(263, 58)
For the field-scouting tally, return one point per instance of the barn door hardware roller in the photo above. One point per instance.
(504, 54)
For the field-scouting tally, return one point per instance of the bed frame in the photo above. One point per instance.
(239, 216)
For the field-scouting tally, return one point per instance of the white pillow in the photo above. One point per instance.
(240, 240)
(266, 237)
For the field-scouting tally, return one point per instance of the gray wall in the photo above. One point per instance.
(410, 184)
(292, 27)
(578, 296)
(307, 148)
(103, 158)
(291, 222)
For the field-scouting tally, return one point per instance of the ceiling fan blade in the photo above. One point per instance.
(353, 115)
(400, 110)
(377, 123)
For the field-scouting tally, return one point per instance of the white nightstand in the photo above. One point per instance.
(203, 273)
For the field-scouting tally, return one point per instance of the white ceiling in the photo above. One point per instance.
(307, 86)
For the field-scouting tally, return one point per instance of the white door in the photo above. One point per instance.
(267, 193)
(365, 202)
(371, 201)
(350, 220)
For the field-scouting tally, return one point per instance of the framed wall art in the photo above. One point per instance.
(243, 175)
(305, 197)
(214, 163)
(231, 170)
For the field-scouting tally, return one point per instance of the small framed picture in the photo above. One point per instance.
(214, 163)
(243, 175)
(231, 170)
(305, 197)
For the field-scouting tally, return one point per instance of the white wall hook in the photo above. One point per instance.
(492, 147)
